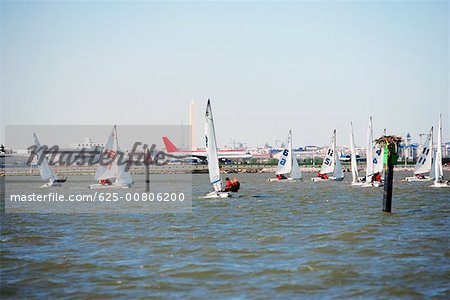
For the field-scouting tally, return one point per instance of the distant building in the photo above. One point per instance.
(407, 150)
(87, 143)
(311, 148)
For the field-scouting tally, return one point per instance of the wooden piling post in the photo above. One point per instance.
(388, 185)
(390, 144)
(147, 171)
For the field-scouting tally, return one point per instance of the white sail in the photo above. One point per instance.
(338, 172)
(109, 168)
(329, 160)
(355, 177)
(425, 161)
(295, 173)
(44, 168)
(378, 159)
(46, 171)
(369, 152)
(438, 172)
(123, 177)
(432, 173)
(285, 162)
(211, 150)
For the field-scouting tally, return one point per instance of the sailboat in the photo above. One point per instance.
(355, 177)
(438, 172)
(331, 164)
(114, 169)
(44, 167)
(213, 160)
(374, 160)
(287, 164)
(424, 164)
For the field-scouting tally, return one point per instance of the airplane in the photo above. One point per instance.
(224, 155)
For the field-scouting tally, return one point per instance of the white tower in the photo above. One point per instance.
(192, 123)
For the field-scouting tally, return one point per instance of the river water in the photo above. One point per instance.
(278, 240)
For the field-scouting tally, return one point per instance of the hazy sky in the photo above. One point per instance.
(21, 136)
(267, 66)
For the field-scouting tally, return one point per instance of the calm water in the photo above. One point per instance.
(279, 240)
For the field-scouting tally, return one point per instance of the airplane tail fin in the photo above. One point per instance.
(169, 146)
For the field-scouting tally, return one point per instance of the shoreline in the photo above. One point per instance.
(179, 169)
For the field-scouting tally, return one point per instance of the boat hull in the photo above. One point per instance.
(337, 179)
(415, 179)
(318, 179)
(111, 186)
(284, 180)
(440, 184)
(215, 194)
(50, 184)
(372, 184)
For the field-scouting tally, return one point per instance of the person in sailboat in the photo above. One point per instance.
(105, 182)
(236, 185)
(280, 176)
(420, 176)
(376, 177)
(322, 176)
(62, 179)
(229, 185)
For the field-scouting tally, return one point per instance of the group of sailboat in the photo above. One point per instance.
(429, 165)
(104, 174)
(429, 162)
(117, 170)
(374, 160)
(331, 168)
(288, 168)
